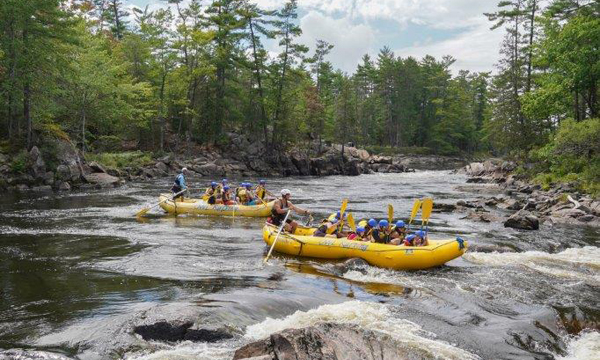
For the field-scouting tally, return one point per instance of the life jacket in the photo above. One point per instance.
(243, 195)
(328, 227)
(261, 191)
(226, 196)
(380, 237)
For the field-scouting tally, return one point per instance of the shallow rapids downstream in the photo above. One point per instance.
(78, 272)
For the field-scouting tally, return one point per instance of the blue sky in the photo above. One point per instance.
(408, 27)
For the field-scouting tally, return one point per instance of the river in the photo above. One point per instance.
(78, 272)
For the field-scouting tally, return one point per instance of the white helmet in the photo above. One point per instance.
(184, 170)
(285, 192)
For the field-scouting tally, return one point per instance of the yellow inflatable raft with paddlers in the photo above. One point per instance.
(201, 207)
(398, 257)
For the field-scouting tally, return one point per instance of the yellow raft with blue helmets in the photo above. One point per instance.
(397, 257)
(201, 207)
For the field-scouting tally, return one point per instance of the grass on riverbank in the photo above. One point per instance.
(130, 159)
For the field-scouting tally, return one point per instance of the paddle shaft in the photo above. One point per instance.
(145, 210)
(277, 237)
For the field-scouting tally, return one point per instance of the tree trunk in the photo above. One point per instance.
(257, 66)
(117, 21)
(161, 111)
(281, 81)
(530, 54)
(83, 129)
(27, 112)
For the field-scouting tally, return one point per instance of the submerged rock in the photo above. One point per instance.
(351, 264)
(163, 331)
(324, 341)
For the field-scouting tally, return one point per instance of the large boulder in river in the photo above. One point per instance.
(324, 341)
(163, 331)
(102, 180)
(523, 220)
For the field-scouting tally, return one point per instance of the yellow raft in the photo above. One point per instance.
(401, 257)
(201, 207)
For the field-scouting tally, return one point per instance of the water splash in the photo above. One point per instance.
(574, 263)
(584, 347)
(372, 316)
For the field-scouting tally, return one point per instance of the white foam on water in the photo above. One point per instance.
(366, 315)
(584, 347)
(184, 351)
(576, 263)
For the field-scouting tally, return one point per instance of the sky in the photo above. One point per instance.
(409, 27)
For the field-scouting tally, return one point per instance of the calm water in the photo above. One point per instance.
(78, 272)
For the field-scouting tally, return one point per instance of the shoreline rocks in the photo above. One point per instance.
(529, 205)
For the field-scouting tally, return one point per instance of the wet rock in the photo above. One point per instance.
(64, 186)
(523, 220)
(97, 168)
(484, 248)
(43, 188)
(22, 187)
(325, 341)
(478, 180)
(162, 168)
(571, 213)
(480, 217)
(102, 179)
(63, 173)
(587, 218)
(163, 331)
(441, 207)
(357, 264)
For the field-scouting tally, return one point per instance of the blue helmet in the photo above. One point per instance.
(383, 223)
(242, 184)
(400, 224)
(262, 182)
(372, 222)
(247, 185)
(420, 233)
(360, 229)
(410, 237)
(224, 181)
(213, 184)
(226, 187)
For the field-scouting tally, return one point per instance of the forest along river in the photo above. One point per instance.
(78, 272)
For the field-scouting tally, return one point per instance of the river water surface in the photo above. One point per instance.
(78, 272)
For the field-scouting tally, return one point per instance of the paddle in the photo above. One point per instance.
(426, 211)
(146, 209)
(390, 213)
(415, 210)
(277, 236)
(342, 211)
(351, 222)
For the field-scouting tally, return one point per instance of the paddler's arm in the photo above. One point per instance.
(298, 210)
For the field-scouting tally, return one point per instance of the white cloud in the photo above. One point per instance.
(475, 49)
(351, 41)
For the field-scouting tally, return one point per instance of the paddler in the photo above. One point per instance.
(211, 193)
(261, 191)
(237, 192)
(398, 233)
(179, 184)
(280, 209)
(381, 234)
(329, 226)
(369, 226)
(419, 238)
(250, 196)
(359, 235)
(226, 196)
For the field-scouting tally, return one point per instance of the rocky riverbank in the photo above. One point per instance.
(523, 205)
(240, 158)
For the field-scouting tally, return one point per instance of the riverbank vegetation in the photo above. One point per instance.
(193, 71)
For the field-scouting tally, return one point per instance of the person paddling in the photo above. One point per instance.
(261, 190)
(381, 234)
(398, 233)
(179, 184)
(211, 193)
(280, 209)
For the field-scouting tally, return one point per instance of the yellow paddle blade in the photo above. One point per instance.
(427, 209)
(343, 208)
(390, 213)
(415, 209)
(142, 212)
(351, 222)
